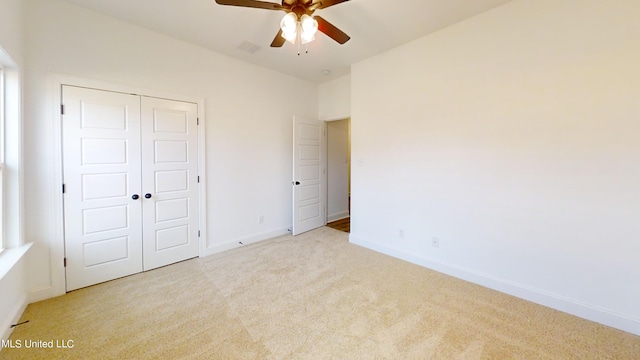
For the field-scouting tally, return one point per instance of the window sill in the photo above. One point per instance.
(10, 257)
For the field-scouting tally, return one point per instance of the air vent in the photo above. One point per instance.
(249, 47)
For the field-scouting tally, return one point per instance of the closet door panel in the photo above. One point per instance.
(101, 167)
(170, 181)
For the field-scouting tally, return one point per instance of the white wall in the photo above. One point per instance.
(337, 169)
(11, 29)
(249, 127)
(334, 99)
(513, 138)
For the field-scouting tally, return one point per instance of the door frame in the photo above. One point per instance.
(55, 82)
(327, 164)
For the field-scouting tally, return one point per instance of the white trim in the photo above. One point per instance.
(55, 81)
(3, 206)
(13, 232)
(538, 296)
(336, 119)
(245, 241)
(325, 171)
(338, 216)
(202, 172)
(2, 115)
(10, 258)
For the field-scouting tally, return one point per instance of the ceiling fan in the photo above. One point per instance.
(298, 24)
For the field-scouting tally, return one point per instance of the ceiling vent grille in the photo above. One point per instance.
(249, 47)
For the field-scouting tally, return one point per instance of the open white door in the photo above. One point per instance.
(308, 175)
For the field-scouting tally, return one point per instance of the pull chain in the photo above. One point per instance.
(299, 37)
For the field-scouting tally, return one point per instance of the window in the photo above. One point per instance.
(10, 183)
(12, 248)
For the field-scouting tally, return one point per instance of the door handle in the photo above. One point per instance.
(296, 183)
(147, 196)
(135, 196)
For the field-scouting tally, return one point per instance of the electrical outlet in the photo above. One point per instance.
(435, 242)
(401, 233)
(260, 219)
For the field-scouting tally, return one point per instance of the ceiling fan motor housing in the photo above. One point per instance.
(299, 8)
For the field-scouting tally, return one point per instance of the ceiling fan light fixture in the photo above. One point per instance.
(290, 37)
(306, 38)
(289, 27)
(298, 25)
(309, 27)
(309, 24)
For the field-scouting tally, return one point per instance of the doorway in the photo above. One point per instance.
(339, 174)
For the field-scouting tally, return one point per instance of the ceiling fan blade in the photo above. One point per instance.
(314, 6)
(331, 31)
(278, 41)
(251, 4)
(326, 3)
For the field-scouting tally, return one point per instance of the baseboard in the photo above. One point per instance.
(43, 293)
(13, 318)
(228, 245)
(48, 292)
(338, 216)
(538, 296)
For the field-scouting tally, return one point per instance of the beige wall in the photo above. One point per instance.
(514, 141)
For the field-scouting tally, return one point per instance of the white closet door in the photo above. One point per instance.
(101, 146)
(170, 181)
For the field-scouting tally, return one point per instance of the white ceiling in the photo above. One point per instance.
(374, 26)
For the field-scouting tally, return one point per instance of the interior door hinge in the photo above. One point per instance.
(65, 262)
(198, 178)
(64, 188)
(61, 109)
(198, 233)
(197, 121)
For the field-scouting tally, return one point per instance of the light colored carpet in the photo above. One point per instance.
(314, 296)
